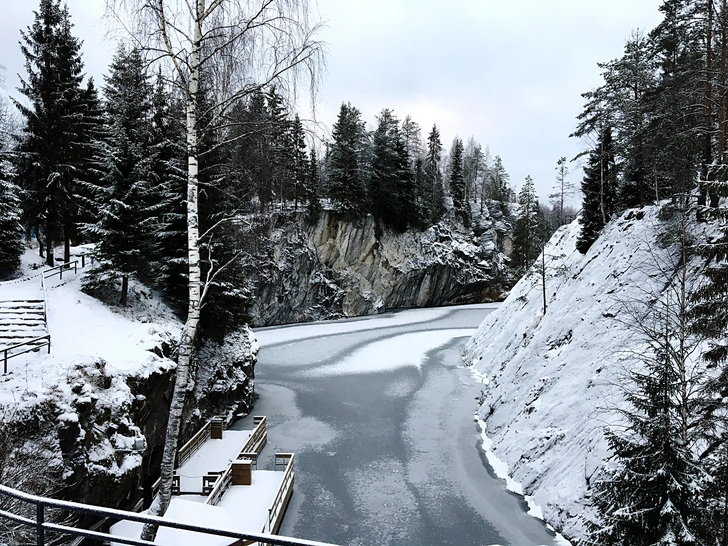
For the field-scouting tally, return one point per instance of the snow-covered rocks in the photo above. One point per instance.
(550, 379)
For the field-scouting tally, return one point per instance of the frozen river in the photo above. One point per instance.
(379, 412)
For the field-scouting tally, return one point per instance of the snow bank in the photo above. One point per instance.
(548, 380)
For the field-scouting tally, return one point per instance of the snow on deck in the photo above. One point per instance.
(243, 509)
(248, 504)
(212, 456)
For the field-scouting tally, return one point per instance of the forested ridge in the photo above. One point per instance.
(106, 163)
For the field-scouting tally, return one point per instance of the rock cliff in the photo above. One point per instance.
(336, 268)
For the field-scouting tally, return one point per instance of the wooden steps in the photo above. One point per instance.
(22, 321)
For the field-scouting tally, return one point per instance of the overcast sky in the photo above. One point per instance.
(508, 72)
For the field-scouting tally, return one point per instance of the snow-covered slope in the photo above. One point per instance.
(550, 379)
(81, 410)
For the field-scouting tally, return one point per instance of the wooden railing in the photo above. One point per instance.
(280, 503)
(221, 486)
(258, 438)
(58, 270)
(190, 448)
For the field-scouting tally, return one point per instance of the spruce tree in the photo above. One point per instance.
(473, 167)
(313, 188)
(346, 171)
(654, 492)
(392, 182)
(458, 190)
(432, 181)
(281, 147)
(598, 188)
(127, 198)
(498, 188)
(48, 153)
(223, 241)
(299, 167)
(169, 174)
(653, 495)
(11, 230)
(11, 241)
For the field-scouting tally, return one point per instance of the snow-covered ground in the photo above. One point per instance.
(85, 334)
(550, 381)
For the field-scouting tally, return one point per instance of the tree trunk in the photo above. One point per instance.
(38, 236)
(67, 228)
(49, 245)
(186, 345)
(124, 290)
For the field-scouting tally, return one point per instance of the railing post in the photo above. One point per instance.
(60, 274)
(83, 261)
(75, 266)
(5, 366)
(39, 521)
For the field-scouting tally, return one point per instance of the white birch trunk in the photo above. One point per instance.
(186, 345)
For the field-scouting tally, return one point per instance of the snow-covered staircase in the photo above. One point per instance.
(22, 322)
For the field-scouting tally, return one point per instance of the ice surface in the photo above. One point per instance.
(405, 350)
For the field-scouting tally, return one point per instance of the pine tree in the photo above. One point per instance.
(346, 171)
(564, 189)
(48, 151)
(458, 190)
(127, 199)
(676, 113)
(598, 189)
(529, 231)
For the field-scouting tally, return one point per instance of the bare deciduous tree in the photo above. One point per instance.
(239, 46)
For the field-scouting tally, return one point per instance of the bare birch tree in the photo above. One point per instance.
(239, 46)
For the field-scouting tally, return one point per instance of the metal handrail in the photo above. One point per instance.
(41, 526)
(5, 350)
